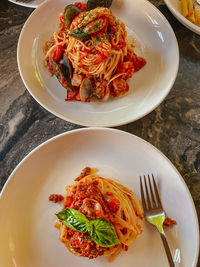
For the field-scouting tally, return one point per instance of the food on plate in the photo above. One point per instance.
(56, 198)
(90, 54)
(169, 222)
(100, 217)
(191, 10)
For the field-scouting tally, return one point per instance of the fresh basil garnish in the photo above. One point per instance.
(101, 230)
(73, 219)
(103, 233)
(91, 4)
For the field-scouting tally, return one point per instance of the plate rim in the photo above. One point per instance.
(185, 22)
(102, 124)
(121, 132)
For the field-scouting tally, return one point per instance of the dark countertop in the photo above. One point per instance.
(173, 127)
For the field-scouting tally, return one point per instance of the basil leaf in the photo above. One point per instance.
(101, 230)
(74, 219)
(91, 4)
(103, 233)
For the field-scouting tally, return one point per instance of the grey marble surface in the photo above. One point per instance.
(173, 127)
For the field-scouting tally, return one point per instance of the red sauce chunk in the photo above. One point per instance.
(82, 6)
(56, 198)
(84, 245)
(169, 222)
(113, 203)
(86, 171)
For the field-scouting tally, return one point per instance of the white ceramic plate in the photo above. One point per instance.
(174, 7)
(28, 237)
(155, 41)
(32, 4)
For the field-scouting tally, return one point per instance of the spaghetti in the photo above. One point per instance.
(90, 54)
(97, 197)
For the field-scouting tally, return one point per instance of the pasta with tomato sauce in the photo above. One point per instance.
(90, 54)
(102, 203)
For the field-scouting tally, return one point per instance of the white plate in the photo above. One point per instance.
(175, 8)
(155, 41)
(32, 4)
(28, 237)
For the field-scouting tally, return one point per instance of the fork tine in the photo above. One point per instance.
(152, 194)
(147, 193)
(156, 192)
(142, 195)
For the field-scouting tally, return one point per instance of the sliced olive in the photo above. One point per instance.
(91, 4)
(71, 11)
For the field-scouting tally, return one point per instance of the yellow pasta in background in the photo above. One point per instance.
(191, 11)
(197, 16)
(190, 8)
(184, 8)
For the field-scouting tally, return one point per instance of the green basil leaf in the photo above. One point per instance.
(103, 233)
(101, 230)
(74, 219)
(71, 11)
(91, 4)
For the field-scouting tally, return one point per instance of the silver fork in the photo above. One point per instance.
(154, 212)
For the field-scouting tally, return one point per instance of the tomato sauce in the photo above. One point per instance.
(169, 222)
(88, 199)
(86, 171)
(82, 6)
(56, 198)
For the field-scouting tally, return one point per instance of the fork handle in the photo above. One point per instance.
(167, 250)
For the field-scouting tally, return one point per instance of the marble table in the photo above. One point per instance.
(173, 127)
